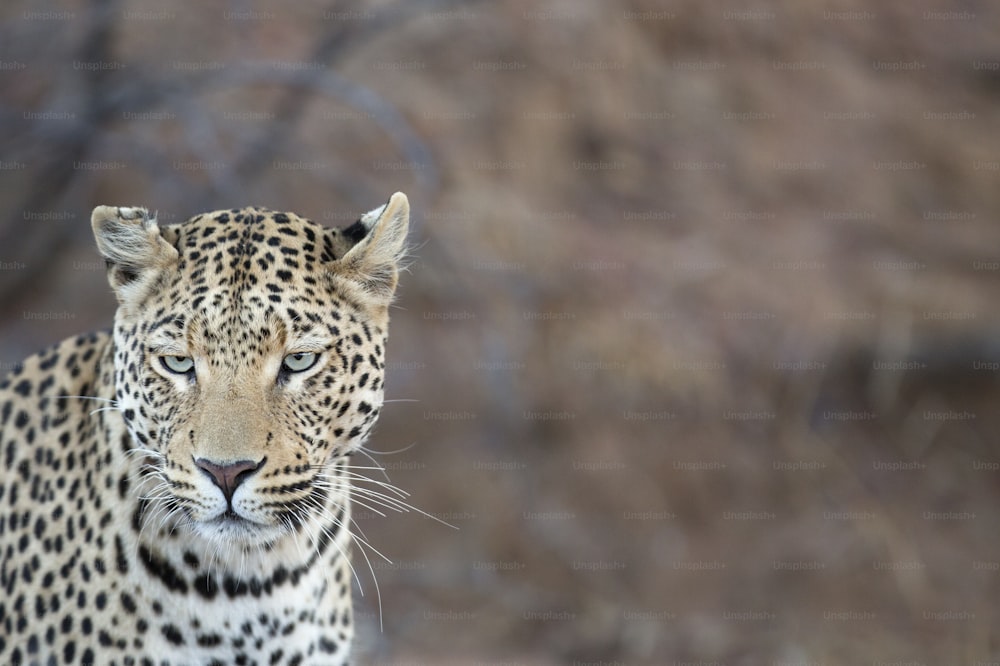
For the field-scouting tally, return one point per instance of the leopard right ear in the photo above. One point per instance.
(378, 246)
(131, 244)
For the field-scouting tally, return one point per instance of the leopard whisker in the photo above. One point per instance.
(86, 397)
(343, 486)
(323, 512)
(378, 592)
(388, 453)
(113, 408)
(361, 477)
(384, 500)
(365, 453)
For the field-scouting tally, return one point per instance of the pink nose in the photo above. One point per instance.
(229, 476)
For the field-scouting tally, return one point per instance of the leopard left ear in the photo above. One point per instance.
(379, 237)
(129, 239)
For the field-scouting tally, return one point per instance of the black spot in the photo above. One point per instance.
(233, 587)
(355, 232)
(172, 634)
(137, 515)
(206, 586)
(163, 570)
(120, 560)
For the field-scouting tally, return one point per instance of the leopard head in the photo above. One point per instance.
(249, 352)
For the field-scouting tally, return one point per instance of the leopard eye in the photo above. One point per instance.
(180, 365)
(299, 362)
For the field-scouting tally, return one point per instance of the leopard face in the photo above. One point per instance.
(249, 361)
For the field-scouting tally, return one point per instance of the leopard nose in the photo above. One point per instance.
(229, 476)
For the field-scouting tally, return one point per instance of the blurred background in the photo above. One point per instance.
(699, 348)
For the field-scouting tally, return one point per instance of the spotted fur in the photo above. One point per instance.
(177, 491)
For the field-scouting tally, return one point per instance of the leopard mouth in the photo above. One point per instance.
(230, 517)
(232, 527)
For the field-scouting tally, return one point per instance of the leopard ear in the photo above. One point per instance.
(379, 245)
(131, 244)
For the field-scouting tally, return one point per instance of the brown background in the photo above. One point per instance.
(699, 345)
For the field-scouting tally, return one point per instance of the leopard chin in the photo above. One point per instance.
(232, 530)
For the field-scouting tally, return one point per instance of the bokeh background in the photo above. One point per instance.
(699, 346)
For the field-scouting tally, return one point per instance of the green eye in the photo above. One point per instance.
(299, 362)
(180, 365)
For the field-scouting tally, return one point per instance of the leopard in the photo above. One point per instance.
(178, 489)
